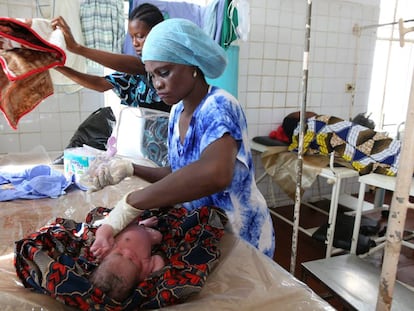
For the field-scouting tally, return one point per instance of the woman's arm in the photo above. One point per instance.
(213, 172)
(151, 174)
(86, 80)
(119, 62)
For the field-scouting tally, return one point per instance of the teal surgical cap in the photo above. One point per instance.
(180, 41)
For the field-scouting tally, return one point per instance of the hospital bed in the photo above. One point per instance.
(313, 169)
(244, 279)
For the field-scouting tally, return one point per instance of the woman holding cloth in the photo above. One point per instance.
(129, 82)
(209, 153)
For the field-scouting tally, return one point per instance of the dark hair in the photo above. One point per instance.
(147, 13)
(112, 284)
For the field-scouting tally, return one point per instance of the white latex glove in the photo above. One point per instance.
(121, 215)
(109, 172)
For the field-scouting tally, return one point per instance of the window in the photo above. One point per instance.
(393, 66)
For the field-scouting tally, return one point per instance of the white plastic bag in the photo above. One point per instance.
(243, 13)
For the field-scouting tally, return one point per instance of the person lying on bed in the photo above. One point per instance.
(129, 261)
(210, 160)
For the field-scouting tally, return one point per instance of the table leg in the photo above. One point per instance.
(333, 210)
(358, 215)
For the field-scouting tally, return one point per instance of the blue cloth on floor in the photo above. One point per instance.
(37, 182)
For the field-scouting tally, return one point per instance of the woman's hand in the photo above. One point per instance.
(109, 172)
(71, 43)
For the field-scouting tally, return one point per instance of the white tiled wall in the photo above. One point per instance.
(271, 66)
(270, 72)
(53, 122)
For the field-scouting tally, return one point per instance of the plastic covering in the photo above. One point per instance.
(243, 9)
(244, 279)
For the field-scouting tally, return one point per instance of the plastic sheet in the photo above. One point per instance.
(244, 279)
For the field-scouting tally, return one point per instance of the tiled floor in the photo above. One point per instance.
(310, 249)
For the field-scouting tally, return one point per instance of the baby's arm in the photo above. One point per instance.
(149, 222)
(104, 241)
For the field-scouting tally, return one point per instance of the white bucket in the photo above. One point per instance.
(76, 161)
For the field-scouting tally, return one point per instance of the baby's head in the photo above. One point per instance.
(129, 262)
(114, 278)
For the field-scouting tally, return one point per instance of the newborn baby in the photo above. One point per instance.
(125, 259)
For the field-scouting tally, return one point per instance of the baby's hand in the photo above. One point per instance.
(104, 241)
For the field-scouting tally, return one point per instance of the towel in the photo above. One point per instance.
(190, 11)
(36, 182)
(70, 11)
(25, 57)
(103, 26)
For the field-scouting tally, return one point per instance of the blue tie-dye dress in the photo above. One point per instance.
(220, 113)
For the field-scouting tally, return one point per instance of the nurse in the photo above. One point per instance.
(130, 82)
(209, 153)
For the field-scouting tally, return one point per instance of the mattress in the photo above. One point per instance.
(244, 279)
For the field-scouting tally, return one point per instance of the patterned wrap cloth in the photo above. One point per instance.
(154, 140)
(366, 150)
(56, 260)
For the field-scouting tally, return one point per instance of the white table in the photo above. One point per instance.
(244, 279)
(356, 281)
(335, 176)
(376, 180)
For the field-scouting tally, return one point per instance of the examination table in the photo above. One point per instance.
(244, 278)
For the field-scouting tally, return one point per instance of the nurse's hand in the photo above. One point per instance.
(109, 172)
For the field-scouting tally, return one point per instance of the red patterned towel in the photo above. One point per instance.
(25, 58)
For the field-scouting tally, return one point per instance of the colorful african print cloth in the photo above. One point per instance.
(56, 260)
(366, 150)
(154, 140)
(136, 91)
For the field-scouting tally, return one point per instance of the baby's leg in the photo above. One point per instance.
(149, 222)
(155, 235)
(159, 263)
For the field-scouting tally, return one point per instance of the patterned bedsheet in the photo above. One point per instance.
(366, 150)
(56, 260)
